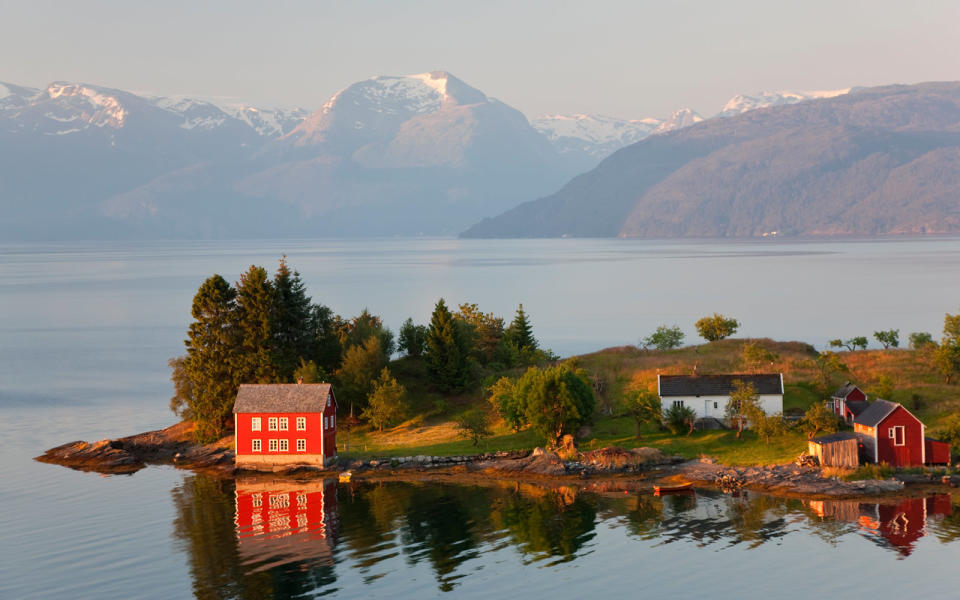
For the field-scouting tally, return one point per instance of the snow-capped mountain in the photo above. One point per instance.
(742, 103)
(15, 96)
(594, 135)
(684, 117)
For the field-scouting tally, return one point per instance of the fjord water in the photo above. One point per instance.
(86, 330)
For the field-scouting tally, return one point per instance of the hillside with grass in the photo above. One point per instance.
(909, 377)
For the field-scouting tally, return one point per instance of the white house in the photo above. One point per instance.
(708, 395)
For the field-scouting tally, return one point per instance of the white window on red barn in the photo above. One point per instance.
(256, 445)
(272, 423)
(301, 445)
(284, 424)
(255, 424)
(301, 423)
(284, 445)
(273, 445)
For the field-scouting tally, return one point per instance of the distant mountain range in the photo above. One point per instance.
(872, 161)
(423, 154)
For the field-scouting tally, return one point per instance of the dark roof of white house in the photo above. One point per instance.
(834, 437)
(282, 397)
(875, 412)
(845, 390)
(717, 385)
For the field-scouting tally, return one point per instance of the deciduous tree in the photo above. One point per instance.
(744, 402)
(474, 425)
(889, 338)
(644, 406)
(557, 400)
(716, 327)
(755, 357)
(386, 404)
(664, 338)
(819, 418)
(506, 403)
(358, 370)
(919, 339)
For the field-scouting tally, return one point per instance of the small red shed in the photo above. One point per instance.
(285, 424)
(848, 402)
(890, 433)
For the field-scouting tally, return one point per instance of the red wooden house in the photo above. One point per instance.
(285, 424)
(890, 433)
(848, 402)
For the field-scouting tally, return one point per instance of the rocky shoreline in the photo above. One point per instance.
(640, 467)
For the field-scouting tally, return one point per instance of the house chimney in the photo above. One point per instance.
(299, 380)
(696, 366)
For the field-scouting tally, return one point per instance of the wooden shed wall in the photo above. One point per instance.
(841, 453)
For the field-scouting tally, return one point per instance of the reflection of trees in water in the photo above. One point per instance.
(446, 526)
(554, 524)
(714, 518)
(204, 527)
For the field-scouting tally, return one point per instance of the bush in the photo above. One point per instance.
(679, 419)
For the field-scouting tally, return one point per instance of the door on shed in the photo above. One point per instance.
(902, 455)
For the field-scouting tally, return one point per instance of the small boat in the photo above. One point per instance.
(345, 477)
(659, 490)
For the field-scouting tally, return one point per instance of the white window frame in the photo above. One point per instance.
(271, 424)
(284, 445)
(301, 445)
(255, 424)
(333, 420)
(272, 445)
(301, 423)
(257, 445)
(903, 435)
(284, 424)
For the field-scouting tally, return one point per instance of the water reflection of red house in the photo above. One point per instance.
(900, 524)
(278, 522)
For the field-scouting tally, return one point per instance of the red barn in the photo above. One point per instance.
(890, 433)
(285, 424)
(848, 402)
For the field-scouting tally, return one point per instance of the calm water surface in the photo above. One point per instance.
(86, 330)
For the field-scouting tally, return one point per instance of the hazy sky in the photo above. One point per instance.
(622, 58)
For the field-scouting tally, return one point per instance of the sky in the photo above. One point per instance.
(626, 58)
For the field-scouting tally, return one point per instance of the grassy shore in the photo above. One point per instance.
(900, 375)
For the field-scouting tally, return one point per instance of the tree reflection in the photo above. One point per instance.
(205, 528)
(552, 524)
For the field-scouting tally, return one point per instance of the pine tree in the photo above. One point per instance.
(212, 348)
(291, 323)
(256, 303)
(446, 353)
(520, 332)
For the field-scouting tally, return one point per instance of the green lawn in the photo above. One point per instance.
(721, 445)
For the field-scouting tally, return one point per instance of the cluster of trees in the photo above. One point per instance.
(712, 328)
(553, 401)
(262, 330)
(268, 330)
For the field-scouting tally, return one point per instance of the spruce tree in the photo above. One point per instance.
(446, 354)
(291, 323)
(212, 348)
(256, 303)
(520, 332)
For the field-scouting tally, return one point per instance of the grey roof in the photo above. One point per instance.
(857, 406)
(834, 437)
(845, 390)
(717, 385)
(875, 412)
(282, 397)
